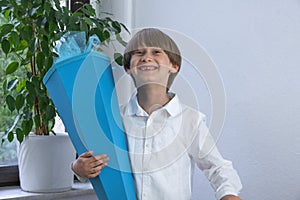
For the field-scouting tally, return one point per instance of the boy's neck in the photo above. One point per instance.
(152, 97)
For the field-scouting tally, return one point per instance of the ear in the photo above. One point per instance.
(128, 71)
(174, 69)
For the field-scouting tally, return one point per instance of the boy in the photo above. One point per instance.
(165, 138)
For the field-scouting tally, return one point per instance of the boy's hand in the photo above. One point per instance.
(230, 197)
(89, 166)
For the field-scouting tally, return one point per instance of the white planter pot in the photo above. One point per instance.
(44, 163)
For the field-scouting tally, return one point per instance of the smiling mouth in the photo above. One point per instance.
(147, 67)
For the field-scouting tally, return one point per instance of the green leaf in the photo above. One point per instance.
(22, 45)
(37, 121)
(27, 34)
(12, 67)
(7, 14)
(73, 22)
(50, 112)
(43, 101)
(30, 87)
(24, 3)
(116, 25)
(57, 5)
(12, 84)
(15, 38)
(4, 86)
(83, 26)
(88, 10)
(88, 21)
(40, 60)
(118, 58)
(21, 85)
(35, 81)
(98, 22)
(47, 7)
(19, 101)
(30, 98)
(10, 101)
(5, 46)
(5, 29)
(27, 126)
(97, 32)
(76, 15)
(49, 62)
(45, 46)
(10, 136)
(20, 135)
(105, 35)
(52, 27)
(125, 27)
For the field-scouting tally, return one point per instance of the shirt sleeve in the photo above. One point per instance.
(220, 172)
(81, 179)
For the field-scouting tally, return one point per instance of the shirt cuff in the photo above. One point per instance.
(226, 191)
(81, 179)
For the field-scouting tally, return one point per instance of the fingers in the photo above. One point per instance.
(87, 154)
(90, 166)
(103, 158)
(96, 165)
(96, 170)
(94, 160)
(99, 160)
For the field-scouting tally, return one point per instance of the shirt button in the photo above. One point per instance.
(145, 169)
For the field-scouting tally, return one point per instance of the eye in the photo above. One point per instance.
(157, 51)
(137, 52)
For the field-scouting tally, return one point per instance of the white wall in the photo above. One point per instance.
(256, 46)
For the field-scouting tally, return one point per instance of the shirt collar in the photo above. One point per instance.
(173, 107)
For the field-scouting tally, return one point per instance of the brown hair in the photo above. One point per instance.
(152, 37)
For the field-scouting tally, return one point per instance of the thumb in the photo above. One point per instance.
(87, 154)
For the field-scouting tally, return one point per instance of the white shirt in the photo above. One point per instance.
(163, 148)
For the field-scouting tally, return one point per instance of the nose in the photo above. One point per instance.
(146, 57)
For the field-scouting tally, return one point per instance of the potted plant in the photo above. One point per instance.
(30, 34)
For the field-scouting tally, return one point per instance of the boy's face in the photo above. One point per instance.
(151, 65)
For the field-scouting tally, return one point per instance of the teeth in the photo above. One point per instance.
(147, 68)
